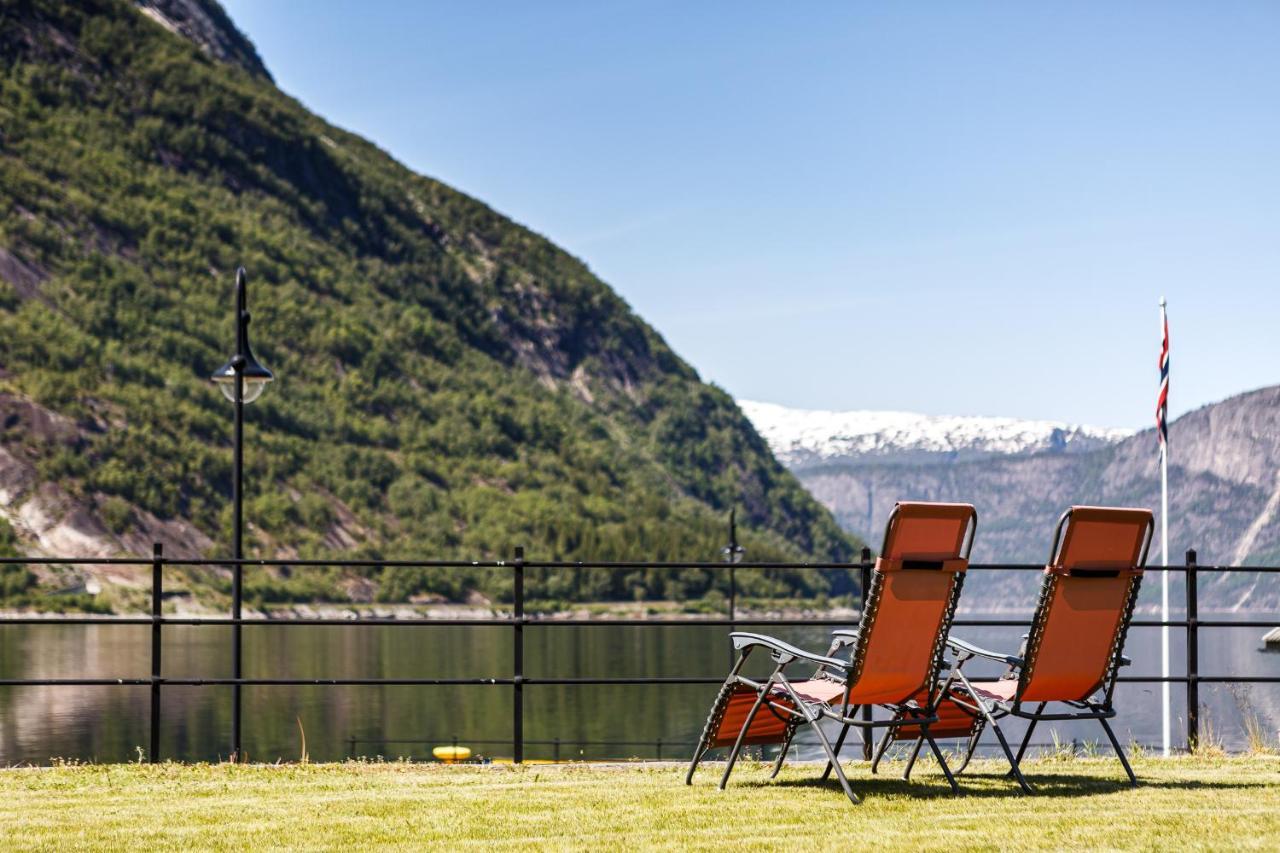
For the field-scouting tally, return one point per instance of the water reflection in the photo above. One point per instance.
(111, 723)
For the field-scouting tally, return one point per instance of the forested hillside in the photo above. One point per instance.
(449, 383)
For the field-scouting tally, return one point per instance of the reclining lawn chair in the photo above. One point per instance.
(1074, 649)
(896, 653)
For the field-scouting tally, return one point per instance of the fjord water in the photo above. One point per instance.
(40, 724)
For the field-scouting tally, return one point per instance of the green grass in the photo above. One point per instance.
(1192, 802)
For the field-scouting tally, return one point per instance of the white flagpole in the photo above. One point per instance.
(1164, 557)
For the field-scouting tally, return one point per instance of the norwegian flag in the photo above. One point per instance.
(1162, 402)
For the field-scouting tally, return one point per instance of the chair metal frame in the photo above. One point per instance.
(778, 696)
(989, 711)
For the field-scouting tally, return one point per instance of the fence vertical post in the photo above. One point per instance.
(1193, 656)
(733, 607)
(733, 596)
(517, 703)
(862, 612)
(157, 597)
(732, 554)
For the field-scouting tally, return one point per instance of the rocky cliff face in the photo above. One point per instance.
(1224, 495)
(207, 25)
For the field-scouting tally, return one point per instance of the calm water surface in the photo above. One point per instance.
(38, 724)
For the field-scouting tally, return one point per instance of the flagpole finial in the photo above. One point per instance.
(1162, 302)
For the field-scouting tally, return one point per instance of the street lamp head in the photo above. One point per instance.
(254, 377)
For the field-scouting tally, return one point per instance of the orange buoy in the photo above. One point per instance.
(451, 754)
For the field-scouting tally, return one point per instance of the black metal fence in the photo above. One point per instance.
(519, 620)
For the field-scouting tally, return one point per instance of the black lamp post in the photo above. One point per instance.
(242, 380)
(733, 554)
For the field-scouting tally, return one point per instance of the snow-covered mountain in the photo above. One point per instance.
(1224, 484)
(804, 437)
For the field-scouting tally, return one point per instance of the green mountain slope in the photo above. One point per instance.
(450, 384)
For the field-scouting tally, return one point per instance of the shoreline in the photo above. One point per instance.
(613, 612)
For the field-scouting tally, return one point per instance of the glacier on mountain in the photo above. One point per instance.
(801, 437)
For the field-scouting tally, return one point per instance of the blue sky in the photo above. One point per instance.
(938, 207)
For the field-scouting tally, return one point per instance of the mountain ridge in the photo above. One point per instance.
(1224, 491)
(449, 382)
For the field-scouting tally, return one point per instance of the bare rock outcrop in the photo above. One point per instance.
(206, 24)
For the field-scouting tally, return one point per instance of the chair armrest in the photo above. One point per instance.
(744, 640)
(962, 647)
(840, 638)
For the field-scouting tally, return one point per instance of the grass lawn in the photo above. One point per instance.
(1188, 802)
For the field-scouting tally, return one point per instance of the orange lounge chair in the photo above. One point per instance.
(1075, 645)
(896, 653)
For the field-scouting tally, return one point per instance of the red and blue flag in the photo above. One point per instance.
(1162, 402)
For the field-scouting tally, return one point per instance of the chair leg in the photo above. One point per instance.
(942, 761)
(693, 765)
(815, 723)
(1115, 744)
(973, 747)
(1031, 727)
(844, 732)
(1004, 744)
(782, 755)
(742, 734)
(1013, 764)
(1027, 738)
(831, 756)
(723, 696)
(911, 759)
(881, 748)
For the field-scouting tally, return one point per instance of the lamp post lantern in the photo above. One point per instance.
(242, 380)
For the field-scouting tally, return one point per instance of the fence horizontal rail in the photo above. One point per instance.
(553, 742)
(553, 622)
(552, 564)
(639, 680)
(658, 743)
(518, 619)
(429, 564)
(556, 744)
